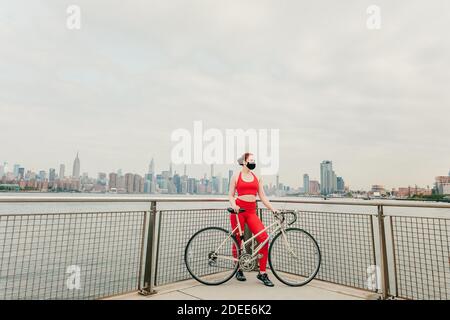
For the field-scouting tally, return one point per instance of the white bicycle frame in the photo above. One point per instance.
(256, 250)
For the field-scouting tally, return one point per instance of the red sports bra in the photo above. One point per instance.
(244, 187)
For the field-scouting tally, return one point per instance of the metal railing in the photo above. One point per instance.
(91, 255)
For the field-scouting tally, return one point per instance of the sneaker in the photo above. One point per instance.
(265, 279)
(240, 275)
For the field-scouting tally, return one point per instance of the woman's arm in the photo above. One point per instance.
(263, 198)
(232, 192)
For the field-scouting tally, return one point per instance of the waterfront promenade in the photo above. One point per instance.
(252, 289)
(107, 247)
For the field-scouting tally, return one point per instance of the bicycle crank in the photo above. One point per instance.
(247, 262)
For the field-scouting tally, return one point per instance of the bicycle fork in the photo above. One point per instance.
(288, 246)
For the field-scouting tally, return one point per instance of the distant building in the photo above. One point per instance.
(51, 175)
(340, 185)
(327, 178)
(101, 179)
(314, 187)
(306, 183)
(112, 181)
(42, 175)
(120, 184)
(62, 169)
(443, 184)
(151, 167)
(16, 170)
(21, 173)
(138, 184)
(225, 185)
(129, 182)
(405, 192)
(76, 168)
(377, 190)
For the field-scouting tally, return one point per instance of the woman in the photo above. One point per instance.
(247, 185)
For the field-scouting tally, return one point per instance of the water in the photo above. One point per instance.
(12, 208)
(107, 244)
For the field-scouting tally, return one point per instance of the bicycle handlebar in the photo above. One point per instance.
(283, 213)
(231, 210)
(291, 212)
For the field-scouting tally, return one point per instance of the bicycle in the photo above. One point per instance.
(294, 255)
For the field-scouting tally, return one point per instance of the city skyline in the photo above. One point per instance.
(327, 183)
(374, 104)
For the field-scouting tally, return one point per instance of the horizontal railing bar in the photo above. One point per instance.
(35, 214)
(367, 203)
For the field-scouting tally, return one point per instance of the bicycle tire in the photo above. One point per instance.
(278, 273)
(186, 254)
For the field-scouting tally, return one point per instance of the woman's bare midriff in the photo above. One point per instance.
(247, 197)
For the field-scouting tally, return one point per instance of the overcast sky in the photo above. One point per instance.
(375, 102)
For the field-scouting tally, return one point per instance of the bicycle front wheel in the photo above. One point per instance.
(209, 256)
(294, 257)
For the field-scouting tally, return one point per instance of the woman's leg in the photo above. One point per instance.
(233, 221)
(255, 225)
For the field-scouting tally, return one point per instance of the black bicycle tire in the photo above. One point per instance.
(185, 256)
(270, 258)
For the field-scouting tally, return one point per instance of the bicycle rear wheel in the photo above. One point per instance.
(295, 258)
(209, 256)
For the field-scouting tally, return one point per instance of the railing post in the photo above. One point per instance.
(383, 255)
(149, 266)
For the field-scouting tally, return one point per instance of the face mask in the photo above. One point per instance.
(251, 166)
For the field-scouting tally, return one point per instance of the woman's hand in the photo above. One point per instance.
(275, 211)
(236, 208)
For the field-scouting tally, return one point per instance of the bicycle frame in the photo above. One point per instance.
(243, 243)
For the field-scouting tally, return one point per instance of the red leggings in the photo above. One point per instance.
(255, 225)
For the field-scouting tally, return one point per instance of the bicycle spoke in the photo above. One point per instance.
(209, 256)
(294, 257)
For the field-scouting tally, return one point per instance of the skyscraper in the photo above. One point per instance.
(5, 168)
(138, 184)
(62, 169)
(42, 175)
(129, 182)
(151, 167)
(326, 177)
(101, 179)
(112, 180)
(16, 170)
(306, 183)
(21, 173)
(76, 168)
(212, 170)
(340, 184)
(51, 175)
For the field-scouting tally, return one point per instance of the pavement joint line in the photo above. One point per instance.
(189, 294)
